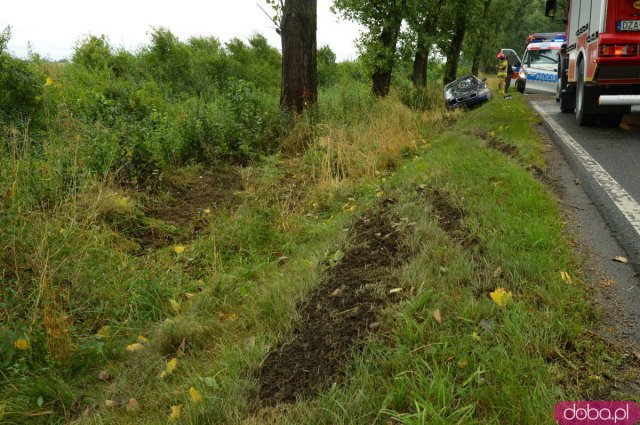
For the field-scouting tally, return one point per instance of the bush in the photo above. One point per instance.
(239, 125)
(20, 86)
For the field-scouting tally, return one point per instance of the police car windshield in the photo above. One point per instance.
(542, 57)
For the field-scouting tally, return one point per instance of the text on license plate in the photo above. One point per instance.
(628, 25)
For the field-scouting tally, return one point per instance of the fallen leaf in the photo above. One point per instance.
(232, 316)
(498, 273)
(379, 194)
(195, 395)
(605, 281)
(621, 259)
(501, 296)
(438, 316)
(450, 358)
(207, 211)
(566, 277)
(175, 305)
(374, 326)
(336, 257)
(40, 401)
(178, 249)
(463, 364)
(169, 368)
(142, 339)
(104, 331)
(486, 325)
(132, 405)
(176, 411)
(21, 344)
(395, 290)
(189, 296)
(336, 292)
(135, 347)
(110, 404)
(104, 376)
(476, 336)
(183, 347)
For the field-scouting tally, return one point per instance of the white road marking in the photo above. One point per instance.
(628, 206)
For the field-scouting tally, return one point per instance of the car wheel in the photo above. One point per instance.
(520, 85)
(582, 99)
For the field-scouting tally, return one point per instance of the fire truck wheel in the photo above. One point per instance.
(610, 120)
(567, 102)
(582, 100)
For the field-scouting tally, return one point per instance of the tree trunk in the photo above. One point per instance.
(385, 58)
(419, 77)
(453, 54)
(299, 55)
(477, 54)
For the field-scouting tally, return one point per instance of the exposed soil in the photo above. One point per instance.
(337, 315)
(191, 200)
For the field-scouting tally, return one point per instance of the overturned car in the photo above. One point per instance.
(466, 92)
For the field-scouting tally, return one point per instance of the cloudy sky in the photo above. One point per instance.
(54, 27)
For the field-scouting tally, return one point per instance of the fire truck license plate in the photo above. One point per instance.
(628, 25)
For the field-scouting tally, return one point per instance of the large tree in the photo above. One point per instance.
(383, 20)
(423, 17)
(298, 27)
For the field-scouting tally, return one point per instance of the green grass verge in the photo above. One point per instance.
(482, 364)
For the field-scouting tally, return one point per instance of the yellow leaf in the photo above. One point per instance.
(566, 277)
(379, 194)
(500, 296)
(438, 316)
(104, 331)
(189, 295)
(170, 368)
(48, 82)
(232, 316)
(195, 395)
(476, 337)
(178, 249)
(176, 411)
(175, 305)
(142, 339)
(135, 347)
(207, 211)
(21, 344)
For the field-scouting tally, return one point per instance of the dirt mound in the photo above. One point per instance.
(337, 315)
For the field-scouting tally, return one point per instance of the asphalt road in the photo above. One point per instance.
(607, 163)
(595, 173)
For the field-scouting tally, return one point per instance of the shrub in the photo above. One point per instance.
(20, 87)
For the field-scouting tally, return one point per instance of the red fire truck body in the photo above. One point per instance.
(599, 70)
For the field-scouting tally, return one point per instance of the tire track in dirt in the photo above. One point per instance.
(338, 314)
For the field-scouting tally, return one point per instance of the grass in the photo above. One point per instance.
(223, 303)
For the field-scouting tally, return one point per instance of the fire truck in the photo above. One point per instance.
(599, 67)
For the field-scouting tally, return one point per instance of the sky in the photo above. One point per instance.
(54, 27)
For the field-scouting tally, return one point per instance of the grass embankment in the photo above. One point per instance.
(220, 299)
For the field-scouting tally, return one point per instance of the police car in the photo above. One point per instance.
(539, 70)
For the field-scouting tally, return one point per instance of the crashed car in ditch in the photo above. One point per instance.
(466, 92)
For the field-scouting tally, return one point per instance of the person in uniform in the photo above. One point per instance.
(503, 66)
